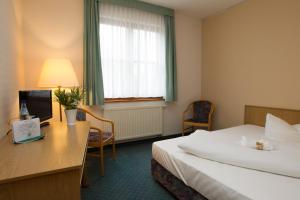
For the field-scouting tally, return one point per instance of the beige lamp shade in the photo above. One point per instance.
(58, 72)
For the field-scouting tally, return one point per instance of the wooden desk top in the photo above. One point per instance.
(62, 149)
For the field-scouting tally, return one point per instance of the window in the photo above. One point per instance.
(132, 44)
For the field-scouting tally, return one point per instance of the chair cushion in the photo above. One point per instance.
(201, 111)
(195, 121)
(95, 137)
(80, 116)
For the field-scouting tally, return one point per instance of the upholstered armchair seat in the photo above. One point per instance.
(95, 136)
(196, 120)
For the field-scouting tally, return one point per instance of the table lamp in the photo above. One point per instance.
(57, 73)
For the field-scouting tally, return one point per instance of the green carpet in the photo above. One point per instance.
(127, 177)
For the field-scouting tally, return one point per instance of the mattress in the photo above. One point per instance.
(218, 181)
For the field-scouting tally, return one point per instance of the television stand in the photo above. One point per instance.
(44, 124)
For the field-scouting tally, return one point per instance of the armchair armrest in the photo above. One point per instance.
(186, 110)
(211, 113)
(95, 116)
(210, 116)
(100, 119)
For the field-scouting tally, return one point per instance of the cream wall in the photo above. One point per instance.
(55, 29)
(251, 56)
(11, 76)
(52, 29)
(188, 42)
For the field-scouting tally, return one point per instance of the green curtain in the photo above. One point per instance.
(92, 80)
(171, 75)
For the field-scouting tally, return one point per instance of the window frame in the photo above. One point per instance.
(140, 26)
(132, 99)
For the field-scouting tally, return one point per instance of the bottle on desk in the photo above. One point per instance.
(24, 114)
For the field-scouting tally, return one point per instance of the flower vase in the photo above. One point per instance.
(71, 116)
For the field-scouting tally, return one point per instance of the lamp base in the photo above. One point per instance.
(60, 114)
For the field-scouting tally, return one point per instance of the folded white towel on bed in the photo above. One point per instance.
(268, 145)
(226, 148)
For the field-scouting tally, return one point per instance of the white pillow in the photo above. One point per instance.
(297, 127)
(279, 130)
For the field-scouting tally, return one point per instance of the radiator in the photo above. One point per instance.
(136, 122)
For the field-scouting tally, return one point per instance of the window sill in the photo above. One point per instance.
(132, 99)
(134, 105)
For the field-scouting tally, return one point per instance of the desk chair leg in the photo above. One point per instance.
(101, 161)
(114, 150)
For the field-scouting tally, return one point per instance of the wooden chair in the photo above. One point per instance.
(202, 112)
(98, 138)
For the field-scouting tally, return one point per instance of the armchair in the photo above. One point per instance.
(97, 137)
(202, 112)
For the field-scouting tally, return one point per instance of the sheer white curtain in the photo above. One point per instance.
(132, 44)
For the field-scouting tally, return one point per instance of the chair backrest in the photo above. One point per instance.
(81, 115)
(201, 111)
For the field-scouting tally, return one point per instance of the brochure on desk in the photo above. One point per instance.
(26, 130)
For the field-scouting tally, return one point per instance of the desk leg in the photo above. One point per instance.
(84, 182)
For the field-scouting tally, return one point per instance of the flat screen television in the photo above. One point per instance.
(38, 102)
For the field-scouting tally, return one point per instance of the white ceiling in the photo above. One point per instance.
(197, 8)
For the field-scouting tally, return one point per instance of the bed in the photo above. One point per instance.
(189, 177)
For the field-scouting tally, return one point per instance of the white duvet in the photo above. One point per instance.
(225, 147)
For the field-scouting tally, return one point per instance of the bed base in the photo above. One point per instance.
(175, 186)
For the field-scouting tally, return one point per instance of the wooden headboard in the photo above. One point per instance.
(256, 115)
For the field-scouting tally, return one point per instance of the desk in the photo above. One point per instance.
(47, 169)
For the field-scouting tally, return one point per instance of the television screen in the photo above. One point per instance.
(38, 102)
